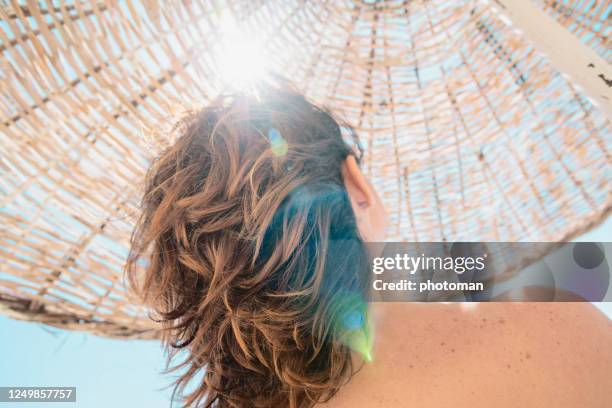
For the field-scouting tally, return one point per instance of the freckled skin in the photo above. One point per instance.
(492, 355)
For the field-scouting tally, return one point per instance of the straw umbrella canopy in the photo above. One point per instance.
(476, 125)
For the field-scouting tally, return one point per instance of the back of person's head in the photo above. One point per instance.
(252, 255)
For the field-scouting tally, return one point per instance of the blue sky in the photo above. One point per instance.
(107, 373)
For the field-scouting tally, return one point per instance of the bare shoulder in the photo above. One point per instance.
(492, 354)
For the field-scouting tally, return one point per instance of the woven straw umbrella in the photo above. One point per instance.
(481, 120)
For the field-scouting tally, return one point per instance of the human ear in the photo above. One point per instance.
(369, 210)
(357, 187)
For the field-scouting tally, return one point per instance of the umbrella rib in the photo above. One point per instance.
(398, 174)
(313, 66)
(349, 41)
(589, 121)
(317, 59)
(486, 167)
(426, 123)
(408, 204)
(367, 89)
(453, 102)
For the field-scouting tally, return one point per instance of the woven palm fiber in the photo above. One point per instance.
(470, 132)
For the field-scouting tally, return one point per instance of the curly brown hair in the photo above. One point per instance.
(247, 251)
